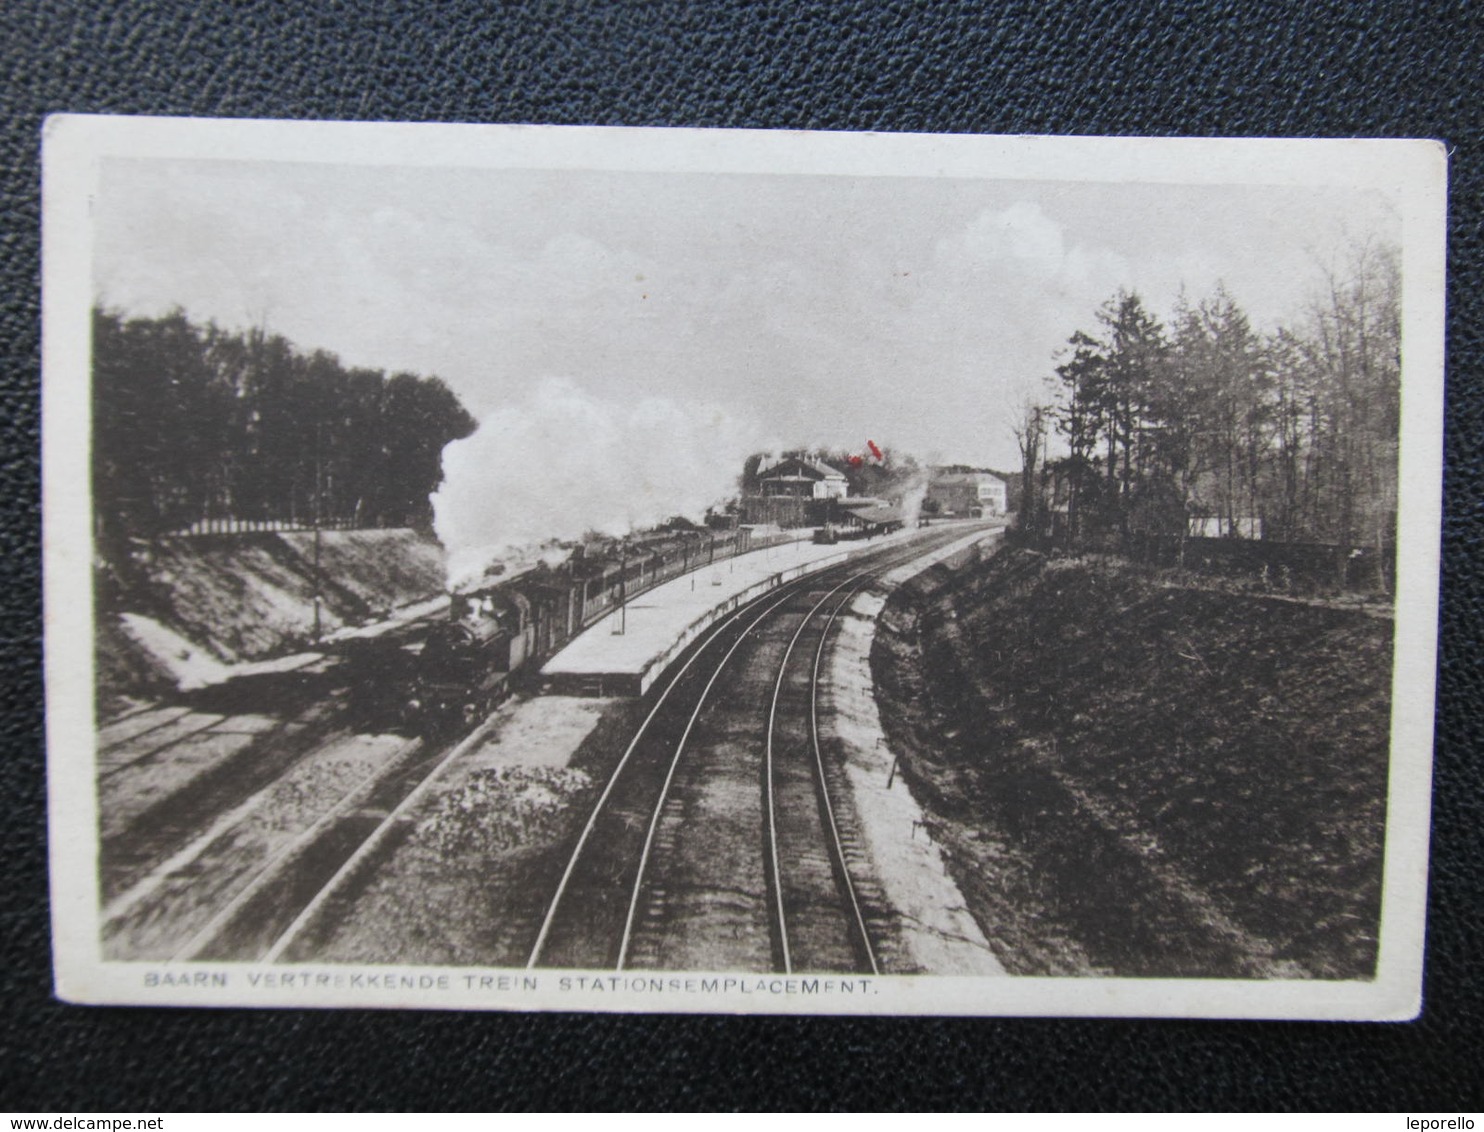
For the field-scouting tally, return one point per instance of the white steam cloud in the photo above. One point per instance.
(912, 499)
(566, 462)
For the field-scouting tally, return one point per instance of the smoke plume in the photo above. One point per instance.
(565, 463)
(912, 497)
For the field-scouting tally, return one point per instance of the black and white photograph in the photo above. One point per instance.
(685, 570)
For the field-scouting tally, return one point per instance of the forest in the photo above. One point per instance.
(195, 423)
(1204, 427)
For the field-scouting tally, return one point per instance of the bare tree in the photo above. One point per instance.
(1029, 430)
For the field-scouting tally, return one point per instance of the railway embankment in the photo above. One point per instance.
(932, 931)
(1133, 773)
(180, 608)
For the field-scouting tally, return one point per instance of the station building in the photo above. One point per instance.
(797, 478)
(968, 495)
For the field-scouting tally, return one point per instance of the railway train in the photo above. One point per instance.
(501, 633)
(831, 533)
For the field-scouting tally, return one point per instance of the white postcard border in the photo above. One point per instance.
(1411, 173)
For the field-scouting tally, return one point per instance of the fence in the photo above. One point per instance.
(231, 525)
(1280, 564)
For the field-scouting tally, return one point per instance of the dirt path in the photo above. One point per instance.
(933, 930)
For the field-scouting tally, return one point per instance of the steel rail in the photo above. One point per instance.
(136, 710)
(107, 772)
(373, 842)
(180, 714)
(654, 821)
(618, 770)
(774, 867)
(824, 790)
(835, 846)
(192, 851)
(267, 873)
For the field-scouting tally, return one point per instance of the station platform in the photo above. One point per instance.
(626, 651)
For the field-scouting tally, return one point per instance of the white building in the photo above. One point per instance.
(969, 495)
(797, 478)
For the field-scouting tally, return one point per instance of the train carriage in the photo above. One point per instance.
(493, 635)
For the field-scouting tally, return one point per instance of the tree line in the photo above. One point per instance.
(1203, 426)
(194, 423)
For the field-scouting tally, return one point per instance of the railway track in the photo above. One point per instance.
(817, 919)
(723, 839)
(625, 899)
(231, 895)
(274, 921)
(166, 773)
(243, 892)
(591, 917)
(190, 904)
(154, 810)
(187, 868)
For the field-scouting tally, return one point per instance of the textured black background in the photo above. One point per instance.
(1229, 69)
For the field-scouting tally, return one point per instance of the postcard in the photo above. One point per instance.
(546, 568)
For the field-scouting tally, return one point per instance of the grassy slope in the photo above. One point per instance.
(250, 596)
(1138, 778)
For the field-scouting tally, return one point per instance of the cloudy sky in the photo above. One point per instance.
(829, 310)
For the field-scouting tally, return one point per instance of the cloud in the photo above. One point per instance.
(831, 308)
(564, 461)
(1021, 245)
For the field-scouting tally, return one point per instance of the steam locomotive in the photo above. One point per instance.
(502, 633)
(466, 662)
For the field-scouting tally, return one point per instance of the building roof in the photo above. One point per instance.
(818, 470)
(880, 515)
(967, 478)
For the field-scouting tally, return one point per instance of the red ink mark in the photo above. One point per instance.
(856, 461)
(871, 444)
